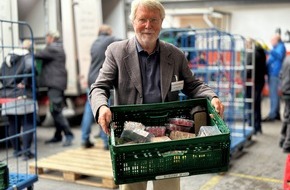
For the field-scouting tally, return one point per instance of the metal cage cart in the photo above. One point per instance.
(219, 59)
(18, 107)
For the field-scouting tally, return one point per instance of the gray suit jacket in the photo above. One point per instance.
(121, 71)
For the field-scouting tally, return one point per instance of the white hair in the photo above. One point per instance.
(151, 4)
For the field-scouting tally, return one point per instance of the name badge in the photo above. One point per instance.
(176, 86)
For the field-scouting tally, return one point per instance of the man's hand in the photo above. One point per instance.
(105, 118)
(219, 107)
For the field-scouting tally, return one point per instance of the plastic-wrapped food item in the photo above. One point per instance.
(135, 131)
(177, 135)
(136, 135)
(208, 131)
(200, 119)
(120, 141)
(160, 139)
(199, 115)
(181, 121)
(131, 125)
(173, 127)
(157, 131)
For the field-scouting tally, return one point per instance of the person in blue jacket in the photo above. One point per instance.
(274, 65)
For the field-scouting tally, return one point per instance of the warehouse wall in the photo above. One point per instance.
(256, 21)
(114, 15)
(8, 34)
(260, 22)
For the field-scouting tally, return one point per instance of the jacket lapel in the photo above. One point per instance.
(131, 63)
(166, 70)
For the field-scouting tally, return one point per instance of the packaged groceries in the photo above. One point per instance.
(177, 135)
(134, 131)
(157, 131)
(200, 119)
(131, 125)
(160, 139)
(208, 131)
(181, 122)
(173, 127)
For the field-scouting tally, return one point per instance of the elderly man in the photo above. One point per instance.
(142, 70)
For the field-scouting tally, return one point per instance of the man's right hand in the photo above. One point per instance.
(105, 118)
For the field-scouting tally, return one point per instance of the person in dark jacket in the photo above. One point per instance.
(260, 72)
(19, 88)
(98, 49)
(54, 76)
(285, 88)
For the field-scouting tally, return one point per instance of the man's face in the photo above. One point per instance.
(49, 39)
(147, 25)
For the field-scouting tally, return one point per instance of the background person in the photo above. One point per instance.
(260, 72)
(141, 70)
(285, 87)
(54, 76)
(98, 49)
(274, 64)
(17, 63)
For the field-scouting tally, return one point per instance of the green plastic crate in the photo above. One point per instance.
(176, 158)
(4, 176)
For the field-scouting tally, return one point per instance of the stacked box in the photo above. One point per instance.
(176, 158)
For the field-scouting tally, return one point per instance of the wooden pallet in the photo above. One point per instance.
(83, 166)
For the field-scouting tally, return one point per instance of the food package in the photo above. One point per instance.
(208, 131)
(200, 119)
(160, 139)
(134, 131)
(199, 116)
(122, 141)
(157, 131)
(131, 125)
(177, 135)
(173, 127)
(181, 122)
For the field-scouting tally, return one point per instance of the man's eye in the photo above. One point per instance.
(151, 20)
(142, 20)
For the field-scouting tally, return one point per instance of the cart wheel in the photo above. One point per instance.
(30, 187)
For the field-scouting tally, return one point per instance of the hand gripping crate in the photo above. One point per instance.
(176, 158)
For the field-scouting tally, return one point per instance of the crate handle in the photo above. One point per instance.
(174, 153)
(158, 116)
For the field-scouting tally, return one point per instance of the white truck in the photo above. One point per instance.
(78, 22)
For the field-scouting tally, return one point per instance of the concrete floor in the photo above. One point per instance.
(259, 166)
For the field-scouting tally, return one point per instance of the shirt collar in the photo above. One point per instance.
(140, 49)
